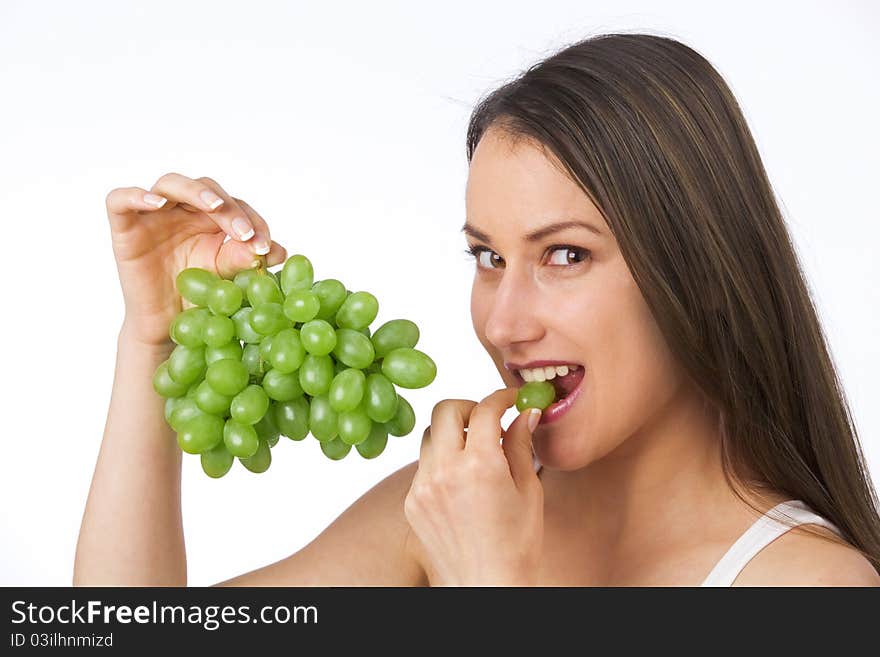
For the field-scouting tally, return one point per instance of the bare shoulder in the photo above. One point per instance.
(801, 558)
(368, 544)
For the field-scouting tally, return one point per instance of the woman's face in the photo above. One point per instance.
(565, 295)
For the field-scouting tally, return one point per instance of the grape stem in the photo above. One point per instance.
(259, 263)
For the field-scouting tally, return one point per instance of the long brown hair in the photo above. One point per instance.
(652, 133)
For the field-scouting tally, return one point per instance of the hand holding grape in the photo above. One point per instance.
(477, 505)
(179, 223)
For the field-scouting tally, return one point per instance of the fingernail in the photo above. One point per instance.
(155, 200)
(261, 246)
(210, 199)
(243, 229)
(534, 418)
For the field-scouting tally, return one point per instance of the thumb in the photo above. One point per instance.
(517, 445)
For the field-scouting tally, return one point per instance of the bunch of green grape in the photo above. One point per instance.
(278, 353)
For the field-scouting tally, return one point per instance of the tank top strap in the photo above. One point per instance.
(764, 531)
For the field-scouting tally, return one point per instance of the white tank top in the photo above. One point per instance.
(763, 531)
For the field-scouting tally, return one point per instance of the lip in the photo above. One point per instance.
(557, 409)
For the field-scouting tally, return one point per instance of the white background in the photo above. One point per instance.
(343, 124)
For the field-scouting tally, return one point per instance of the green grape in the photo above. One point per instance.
(249, 405)
(240, 439)
(318, 337)
(188, 327)
(261, 460)
(287, 354)
(243, 328)
(347, 390)
(292, 418)
(276, 276)
(409, 368)
(316, 374)
(335, 449)
(211, 401)
(267, 426)
(186, 365)
(535, 394)
(375, 442)
(366, 331)
(354, 426)
(200, 433)
(184, 410)
(268, 318)
(353, 348)
(404, 419)
(301, 305)
(266, 347)
(170, 404)
(395, 334)
(282, 387)
(227, 376)
(263, 289)
(225, 298)
(331, 294)
(242, 279)
(165, 385)
(253, 361)
(297, 274)
(216, 461)
(194, 285)
(231, 350)
(322, 419)
(381, 398)
(357, 311)
(218, 331)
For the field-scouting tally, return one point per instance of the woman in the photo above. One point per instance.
(628, 245)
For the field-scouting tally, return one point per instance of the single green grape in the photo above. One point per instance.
(318, 337)
(249, 405)
(242, 279)
(165, 385)
(394, 334)
(227, 376)
(301, 305)
(216, 461)
(282, 387)
(323, 419)
(268, 318)
(252, 358)
(219, 330)
(184, 410)
(292, 418)
(381, 398)
(211, 401)
(243, 329)
(404, 419)
(288, 353)
(231, 350)
(200, 433)
(188, 327)
(261, 459)
(375, 442)
(331, 293)
(170, 404)
(224, 298)
(241, 440)
(267, 426)
(347, 390)
(297, 274)
(353, 348)
(194, 284)
(354, 425)
(263, 289)
(316, 374)
(357, 311)
(335, 449)
(535, 394)
(186, 365)
(409, 368)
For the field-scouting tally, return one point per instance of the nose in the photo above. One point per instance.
(513, 316)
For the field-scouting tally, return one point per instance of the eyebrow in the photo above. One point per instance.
(536, 235)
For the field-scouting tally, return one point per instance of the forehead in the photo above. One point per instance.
(516, 180)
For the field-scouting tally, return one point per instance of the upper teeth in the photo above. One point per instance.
(546, 373)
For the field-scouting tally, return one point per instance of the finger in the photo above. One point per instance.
(234, 256)
(448, 422)
(425, 450)
(484, 425)
(208, 197)
(123, 204)
(260, 226)
(517, 446)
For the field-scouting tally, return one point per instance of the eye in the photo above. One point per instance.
(571, 255)
(486, 258)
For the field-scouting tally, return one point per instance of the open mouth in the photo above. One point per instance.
(563, 384)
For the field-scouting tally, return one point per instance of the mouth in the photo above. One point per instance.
(568, 388)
